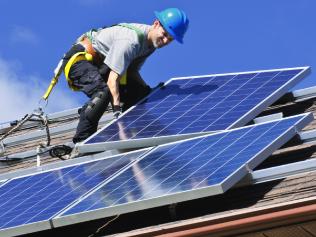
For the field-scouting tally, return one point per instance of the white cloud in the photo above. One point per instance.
(22, 34)
(19, 95)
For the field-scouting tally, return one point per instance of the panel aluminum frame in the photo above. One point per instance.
(25, 229)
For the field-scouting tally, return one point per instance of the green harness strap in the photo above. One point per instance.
(140, 33)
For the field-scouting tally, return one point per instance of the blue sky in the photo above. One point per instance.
(224, 36)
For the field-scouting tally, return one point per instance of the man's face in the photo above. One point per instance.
(160, 37)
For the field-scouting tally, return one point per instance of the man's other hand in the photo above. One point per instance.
(160, 85)
(117, 111)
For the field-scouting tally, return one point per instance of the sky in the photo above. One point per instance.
(224, 36)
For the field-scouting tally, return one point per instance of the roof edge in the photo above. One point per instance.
(237, 222)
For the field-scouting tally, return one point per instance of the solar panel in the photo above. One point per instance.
(185, 170)
(28, 203)
(187, 106)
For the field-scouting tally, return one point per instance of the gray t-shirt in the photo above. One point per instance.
(121, 46)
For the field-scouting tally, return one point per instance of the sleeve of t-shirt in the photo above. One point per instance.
(120, 56)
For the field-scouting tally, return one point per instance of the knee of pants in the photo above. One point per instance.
(97, 105)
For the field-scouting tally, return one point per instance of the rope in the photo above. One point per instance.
(56, 151)
(44, 121)
(19, 124)
(60, 151)
(40, 117)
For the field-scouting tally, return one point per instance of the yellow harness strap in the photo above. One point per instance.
(75, 58)
(123, 80)
(79, 57)
(50, 87)
(57, 72)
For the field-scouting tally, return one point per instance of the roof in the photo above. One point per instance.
(20, 148)
(274, 200)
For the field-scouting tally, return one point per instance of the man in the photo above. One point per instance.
(105, 64)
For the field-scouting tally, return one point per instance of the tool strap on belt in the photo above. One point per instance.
(86, 43)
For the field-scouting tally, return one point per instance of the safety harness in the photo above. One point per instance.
(75, 58)
(89, 54)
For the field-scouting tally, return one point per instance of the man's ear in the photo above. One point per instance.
(156, 23)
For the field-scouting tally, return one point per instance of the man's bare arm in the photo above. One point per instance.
(113, 84)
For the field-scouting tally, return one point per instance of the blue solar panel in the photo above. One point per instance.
(186, 170)
(39, 197)
(202, 104)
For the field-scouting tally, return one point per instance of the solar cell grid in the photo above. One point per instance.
(202, 104)
(39, 197)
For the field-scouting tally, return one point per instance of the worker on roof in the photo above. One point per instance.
(105, 64)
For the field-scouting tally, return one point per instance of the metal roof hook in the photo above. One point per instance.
(38, 112)
(42, 104)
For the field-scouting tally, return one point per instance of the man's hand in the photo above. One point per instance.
(116, 111)
(160, 85)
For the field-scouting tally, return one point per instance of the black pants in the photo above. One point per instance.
(86, 77)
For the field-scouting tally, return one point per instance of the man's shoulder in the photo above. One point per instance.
(132, 31)
(143, 27)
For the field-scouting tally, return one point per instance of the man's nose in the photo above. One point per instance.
(165, 40)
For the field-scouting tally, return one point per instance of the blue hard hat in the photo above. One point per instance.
(174, 21)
